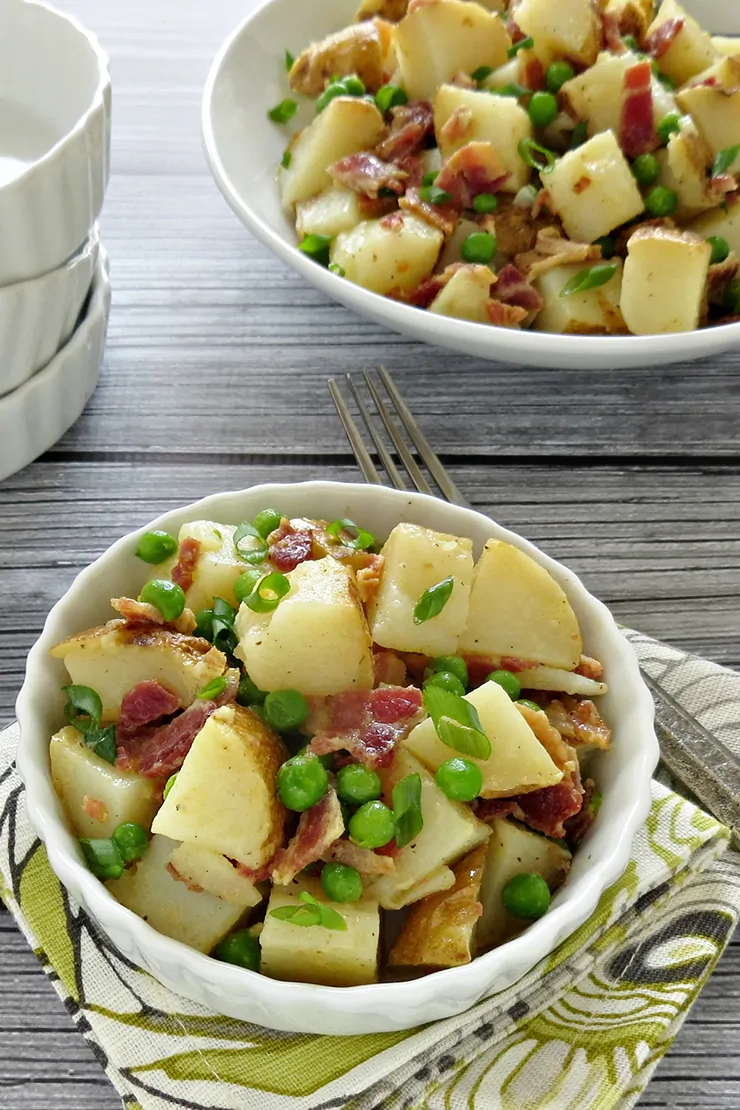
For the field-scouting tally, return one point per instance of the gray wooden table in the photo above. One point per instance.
(214, 378)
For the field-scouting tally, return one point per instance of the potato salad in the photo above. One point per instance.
(569, 167)
(330, 759)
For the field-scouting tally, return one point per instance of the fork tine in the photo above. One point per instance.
(430, 457)
(404, 454)
(383, 452)
(365, 463)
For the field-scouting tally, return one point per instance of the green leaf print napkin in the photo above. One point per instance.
(582, 1031)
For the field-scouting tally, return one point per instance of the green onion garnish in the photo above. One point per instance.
(432, 195)
(257, 552)
(316, 247)
(530, 152)
(289, 61)
(590, 278)
(485, 202)
(283, 111)
(390, 96)
(430, 178)
(456, 722)
(335, 268)
(360, 541)
(580, 134)
(286, 159)
(102, 857)
(481, 73)
(222, 628)
(268, 593)
(312, 912)
(212, 690)
(432, 601)
(407, 809)
(724, 160)
(525, 44)
(83, 710)
(512, 89)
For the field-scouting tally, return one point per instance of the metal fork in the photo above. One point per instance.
(704, 766)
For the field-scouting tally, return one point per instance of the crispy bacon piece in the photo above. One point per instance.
(637, 134)
(540, 204)
(366, 173)
(432, 286)
(561, 753)
(254, 874)
(590, 668)
(390, 669)
(513, 288)
(577, 826)
(187, 558)
(393, 221)
(368, 578)
(552, 250)
(457, 125)
(146, 703)
(612, 31)
(412, 124)
(413, 166)
(505, 315)
(663, 37)
(94, 808)
(443, 217)
(368, 723)
(578, 721)
(317, 830)
(475, 168)
(365, 861)
(533, 72)
(289, 546)
(141, 612)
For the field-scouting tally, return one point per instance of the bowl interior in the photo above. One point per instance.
(49, 78)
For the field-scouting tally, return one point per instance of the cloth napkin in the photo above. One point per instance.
(583, 1030)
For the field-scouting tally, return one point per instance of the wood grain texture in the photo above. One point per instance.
(214, 379)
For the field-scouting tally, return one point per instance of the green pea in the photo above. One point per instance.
(452, 664)
(607, 246)
(341, 883)
(357, 784)
(267, 521)
(103, 858)
(389, 96)
(646, 169)
(155, 547)
(239, 948)
(168, 785)
(543, 109)
(669, 125)
(485, 202)
(164, 595)
(372, 825)
(661, 201)
(631, 43)
(508, 681)
(557, 74)
(249, 693)
(353, 85)
(529, 704)
(447, 680)
(526, 895)
(479, 247)
(720, 249)
(285, 710)
(246, 583)
(302, 782)
(459, 779)
(132, 841)
(204, 624)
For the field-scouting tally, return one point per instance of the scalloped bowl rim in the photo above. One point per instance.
(374, 1007)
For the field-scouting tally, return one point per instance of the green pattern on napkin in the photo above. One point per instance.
(582, 1031)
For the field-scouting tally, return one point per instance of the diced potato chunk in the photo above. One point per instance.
(634, 15)
(729, 45)
(439, 930)
(416, 559)
(716, 113)
(354, 49)
(450, 831)
(387, 255)
(691, 51)
(665, 278)
(518, 762)
(224, 796)
(719, 222)
(217, 568)
(569, 28)
(518, 609)
(79, 774)
(203, 870)
(338, 209)
(564, 682)
(592, 189)
(684, 167)
(316, 641)
(462, 116)
(333, 958)
(385, 9)
(513, 850)
(148, 889)
(442, 38)
(597, 94)
(347, 124)
(466, 295)
(594, 312)
(116, 657)
(724, 74)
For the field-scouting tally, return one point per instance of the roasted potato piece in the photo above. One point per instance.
(728, 45)
(518, 609)
(462, 116)
(518, 762)
(391, 255)
(224, 796)
(442, 38)
(355, 49)
(719, 222)
(203, 870)
(347, 124)
(569, 29)
(595, 312)
(115, 657)
(597, 94)
(330, 957)
(217, 568)
(634, 16)
(337, 209)
(592, 189)
(96, 796)
(416, 559)
(392, 10)
(716, 112)
(466, 295)
(665, 279)
(149, 890)
(684, 167)
(317, 640)
(691, 51)
(439, 930)
(566, 682)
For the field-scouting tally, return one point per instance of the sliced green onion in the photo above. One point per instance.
(283, 111)
(316, 247)
(432, 601)
(456, 722)
(286, 159)
(512, 89)
(255, 554)
(312, 912)
(606, 242)
(212, 690)
(102, 857)
(407, 809)
(525, 44)
(481, 73)
(580, 134)
(430, 178)
(390, 96)
(432, 195)
(724, 160)
(168, 785)
(268, 593)
(245, 583)
(83, 710)
(361, 540)
(590, 278)
(335, 268)
(224, 636)
(528, 148)
(289, 61)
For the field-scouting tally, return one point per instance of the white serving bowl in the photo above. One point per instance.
(37, 414)
(38, 316)
(244, 148)
(623, 776)
(55, 103)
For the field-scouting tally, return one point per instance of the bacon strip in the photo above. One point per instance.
(475, 168)
(412, 124)
(368, 578)
(579, 824)
(317, 830)
(187, 559)
(663, 37)
(141, 612)
(512, 288)
(443, 217)
(362, 859)
(637, 133)
(431, 287)
(505, 315)
(369, 723)
(610, 25)
(147, 702)
(368, 174)
(390, 669)
(552, 250)
(289, 546)
(578, 721)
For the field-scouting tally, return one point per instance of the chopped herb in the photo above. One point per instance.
(536, 155)
(360, 541)
(312, 912)
(432, 195)
(289, 61)
(525, 44)
(268, 593)
(316, 247)
(590, 278)
(456, 722)
(257, 552)
(430, 178)
(286, 159)
(432, 601)
(283, 111)
(407, 809)
(84, 710)
(512, 89)
(390, 96)
(481, 73)
(212, 690)
(724, 160)
(335, 268)
(223, 635)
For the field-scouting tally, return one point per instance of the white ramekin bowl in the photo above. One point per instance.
(38, 316)
(244, 148)
(55, 104)
(623, 774)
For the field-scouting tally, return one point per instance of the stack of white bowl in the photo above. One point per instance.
(55, 105)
